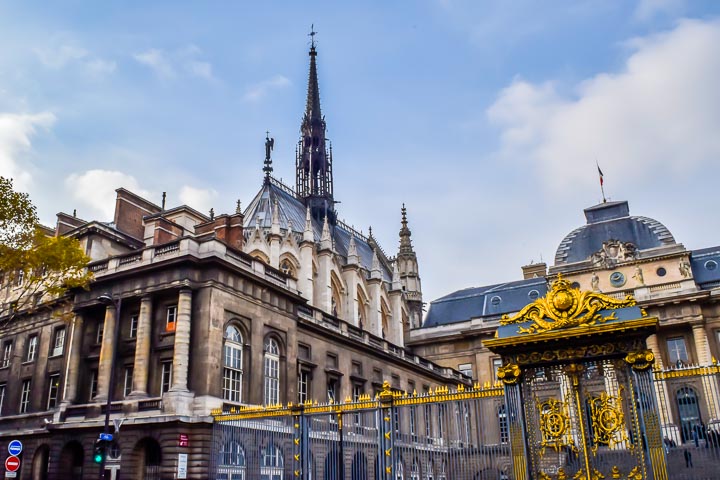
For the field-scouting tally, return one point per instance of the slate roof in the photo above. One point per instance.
(292, 212)
(705, 264)
(608, 221)
(489, 301)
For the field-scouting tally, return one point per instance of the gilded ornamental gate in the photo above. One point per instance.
(579, 388)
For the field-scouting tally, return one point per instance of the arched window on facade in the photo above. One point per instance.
(385, 319)
(272, 372)
(272, 463)
(233, 364)
(232, 462)
(362, 317)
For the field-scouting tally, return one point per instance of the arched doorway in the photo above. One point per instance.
(333, 465)
(40, 463)
(689, 413)
(72, 457)
(150, 456)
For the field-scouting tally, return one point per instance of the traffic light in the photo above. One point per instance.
(99, 451)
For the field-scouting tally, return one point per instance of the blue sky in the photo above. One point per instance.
(485, 118)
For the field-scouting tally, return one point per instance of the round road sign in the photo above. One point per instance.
(15, 447)
(12, 463)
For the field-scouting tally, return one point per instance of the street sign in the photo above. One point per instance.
(10, 474)
(182, 465)
(15, 447)
(183, 440)
(12, 464)
(107, 437)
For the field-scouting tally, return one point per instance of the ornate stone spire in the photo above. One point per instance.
(352, 255)
(269, 145)
(405, 243)
(314, 181)
(325, 239)
(375, 271)
(308, 232)
(396, 285)
(275, 226)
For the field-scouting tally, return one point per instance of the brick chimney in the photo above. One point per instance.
(534, 270)
(129, 212)
(226, 228)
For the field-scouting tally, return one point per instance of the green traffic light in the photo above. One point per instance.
(98, 458)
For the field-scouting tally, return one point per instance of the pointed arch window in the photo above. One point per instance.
(272, 372)
(232, 461)
(287, 268)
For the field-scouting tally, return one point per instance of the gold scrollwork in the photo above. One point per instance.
(554, 424)
(565, 307)
(635, 474)
(509, 374)
(608, 420)
(640, 360)
(595, 475)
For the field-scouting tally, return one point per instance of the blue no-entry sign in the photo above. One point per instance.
(15, 447)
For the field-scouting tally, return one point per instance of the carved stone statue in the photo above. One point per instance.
(684, 268)
(595, 282)
(613, 252)
(639, 276)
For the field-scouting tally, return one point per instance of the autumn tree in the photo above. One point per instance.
(35, 266)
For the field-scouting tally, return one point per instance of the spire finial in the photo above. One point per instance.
(312, 36)
(238, 208)
(212, 214)
(269, 145)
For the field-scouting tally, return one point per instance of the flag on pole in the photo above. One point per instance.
(601, 175)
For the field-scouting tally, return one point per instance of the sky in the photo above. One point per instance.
(486, 118)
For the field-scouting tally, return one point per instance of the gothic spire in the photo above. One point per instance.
(405, 243)
(313, 180)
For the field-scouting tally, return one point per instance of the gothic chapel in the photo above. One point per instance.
(338, 269)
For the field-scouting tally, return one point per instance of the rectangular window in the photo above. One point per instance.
(128, 381)
(133, 326)
(2, 396)
(303, 386)
(272, 379)
(31, 348)
(496, 364)
(7, 353)
(166, 376)
(442, 411)
(100, 331)
(25, 396)
(58, 342)
(53, 389)
(466, 369)
(332, 361)
(677, 351)
(332, 389)
(303, 351)
(19, 278)
(170, 318)
(413, 420)
(93, 384)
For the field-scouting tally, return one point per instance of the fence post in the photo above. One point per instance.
(301, 453)
(386, 455)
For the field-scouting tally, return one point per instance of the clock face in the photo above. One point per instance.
(617, 279)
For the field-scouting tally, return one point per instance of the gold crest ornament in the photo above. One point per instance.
(565, 307)
(509, 374)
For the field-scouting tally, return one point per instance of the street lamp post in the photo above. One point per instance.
(108, 300)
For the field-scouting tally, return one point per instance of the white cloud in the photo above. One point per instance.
(95, 189)
(16, 131)
(171, 64)
(659, 116)
(64, 55)
(198, 198)
(257, 91)
(158, 61)
(647, 9)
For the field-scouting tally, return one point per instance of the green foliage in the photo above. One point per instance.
(36, 267)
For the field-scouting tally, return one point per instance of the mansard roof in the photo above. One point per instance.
(488, 301)
(611, 221)
(705, 264)
(293, 213)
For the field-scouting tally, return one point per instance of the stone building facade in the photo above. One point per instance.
(281, 303)
(618, 254)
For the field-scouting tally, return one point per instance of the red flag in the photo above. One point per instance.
(601, 175)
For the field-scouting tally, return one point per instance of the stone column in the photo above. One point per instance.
(181, 355)
(106, 354)
(73, 362)
(702, 348)
(142, 348)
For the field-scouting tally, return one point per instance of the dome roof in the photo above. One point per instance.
(611, 221)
